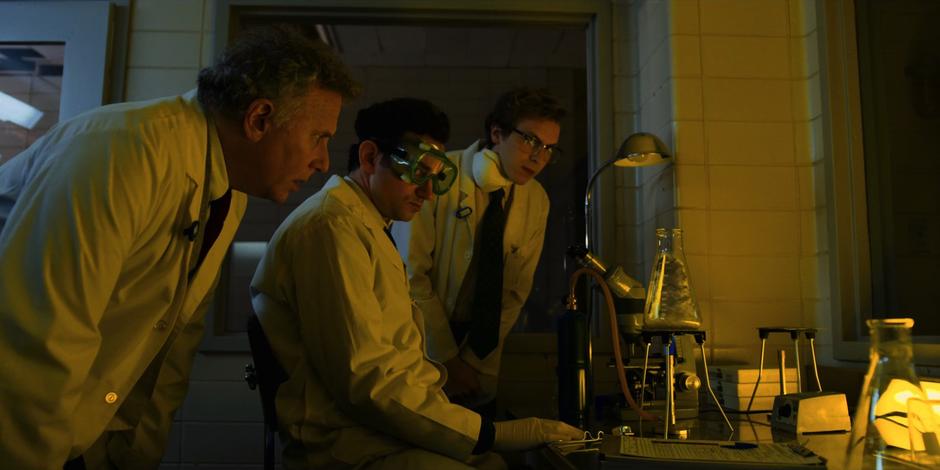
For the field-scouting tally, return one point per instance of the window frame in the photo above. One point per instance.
(849, 238)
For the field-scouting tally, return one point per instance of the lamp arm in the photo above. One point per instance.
(587, 201)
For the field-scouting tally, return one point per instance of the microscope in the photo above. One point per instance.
(648, 375)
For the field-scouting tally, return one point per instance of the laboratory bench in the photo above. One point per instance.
(709, 425)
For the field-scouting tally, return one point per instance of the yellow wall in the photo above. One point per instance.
(746, 121)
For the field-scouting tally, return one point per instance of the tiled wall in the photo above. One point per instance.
(746, 130)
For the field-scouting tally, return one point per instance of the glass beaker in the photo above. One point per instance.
(881, 416)
(670, 299)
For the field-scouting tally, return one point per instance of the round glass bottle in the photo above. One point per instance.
(881, 415)
(670, 299)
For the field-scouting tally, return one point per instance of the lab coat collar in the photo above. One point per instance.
(218, 173)
(467, 185)
(369, 214)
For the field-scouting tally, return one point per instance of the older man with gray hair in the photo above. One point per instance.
(113, 227)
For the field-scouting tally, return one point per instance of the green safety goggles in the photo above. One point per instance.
(417, 161)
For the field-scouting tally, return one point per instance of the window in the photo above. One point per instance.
(30, 87)
(884, 76)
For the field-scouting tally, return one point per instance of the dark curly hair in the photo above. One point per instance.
(518, 104)
(278, 62)
(386, 123)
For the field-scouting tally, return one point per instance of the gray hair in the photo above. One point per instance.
(277, 62)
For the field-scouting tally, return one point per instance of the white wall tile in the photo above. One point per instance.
(687, 104)
(217, 401)
(802, 17)
(747, 100)
(683, 15)
(655, 71)
(209, 15)
(221, 367)
(655, 111)
(165, 49)
(147, 83)
(745, 57)
(693, 186)
(754, 233)
(652, 28)
(808, 230)
(736, 323)
(804, 55)
(694, 224)
(686, 56)
(625, 57)
(750, 143)
(745, 17)
(627, 206)
(208, 54)
(689, 137)
(735, 278)
(806, 187)
(750, 187)
(167, 15)
(625, 94)
(173, 444)
(222, 443)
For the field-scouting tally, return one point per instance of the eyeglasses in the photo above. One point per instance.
(417, 161)
(536, 145)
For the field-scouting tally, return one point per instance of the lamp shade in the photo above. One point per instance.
(642, 149)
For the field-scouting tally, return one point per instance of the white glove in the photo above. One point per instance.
(529, 433)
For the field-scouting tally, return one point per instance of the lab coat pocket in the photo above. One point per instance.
(513, 264)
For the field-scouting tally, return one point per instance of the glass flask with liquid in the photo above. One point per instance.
(881, 415)
(670, 299)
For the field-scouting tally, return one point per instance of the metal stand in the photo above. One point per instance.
(668, 338)
(764, 333)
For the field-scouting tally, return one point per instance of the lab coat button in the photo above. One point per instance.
(110, 398)
(161, 325)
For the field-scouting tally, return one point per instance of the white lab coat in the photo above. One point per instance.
(440, 247)
(99, 322)
(332, 298)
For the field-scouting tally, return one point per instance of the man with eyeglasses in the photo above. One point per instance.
(332, 298)
(472, 253)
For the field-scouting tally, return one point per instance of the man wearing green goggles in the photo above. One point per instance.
(416, 162)
(333, 301)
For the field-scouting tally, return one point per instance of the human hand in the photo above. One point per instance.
(529, 433)
(462, 381)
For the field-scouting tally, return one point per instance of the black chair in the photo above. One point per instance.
(265, 374)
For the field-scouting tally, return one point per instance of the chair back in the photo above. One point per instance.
(267, 375)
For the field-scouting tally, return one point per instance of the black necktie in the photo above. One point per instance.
(488, 295)
(218, 210)
(388, 231)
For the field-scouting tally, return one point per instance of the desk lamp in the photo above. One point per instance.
(638, 150)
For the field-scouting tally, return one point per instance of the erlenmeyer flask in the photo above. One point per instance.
(881, 416)
(670, 300)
